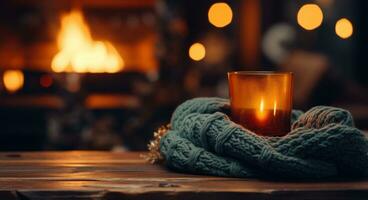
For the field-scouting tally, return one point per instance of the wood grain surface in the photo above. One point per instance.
(106, 175)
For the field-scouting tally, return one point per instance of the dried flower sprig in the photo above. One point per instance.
(154, 155)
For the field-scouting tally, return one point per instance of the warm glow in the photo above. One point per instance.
(79, 52)
(260, 102)
(344, 28)
(220, 14)
(310, 16)
(13, 80)
(197, 51)
(261, 106)
(261, 114)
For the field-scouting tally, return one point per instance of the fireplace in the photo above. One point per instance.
(73, 67)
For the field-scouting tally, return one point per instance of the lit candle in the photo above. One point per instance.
(261, 101)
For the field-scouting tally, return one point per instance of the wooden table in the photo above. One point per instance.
(105, 175)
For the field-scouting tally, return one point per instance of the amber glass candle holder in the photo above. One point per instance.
(261, 101)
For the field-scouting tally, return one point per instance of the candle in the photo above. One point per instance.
(261, 101)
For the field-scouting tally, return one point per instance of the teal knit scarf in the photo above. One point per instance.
(323, 142)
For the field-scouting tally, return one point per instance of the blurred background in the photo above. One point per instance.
(104, 74)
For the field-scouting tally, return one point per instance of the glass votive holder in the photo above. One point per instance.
(261, 101)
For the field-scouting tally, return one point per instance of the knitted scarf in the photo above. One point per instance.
(323, 142)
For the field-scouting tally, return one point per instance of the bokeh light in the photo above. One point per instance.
(220, 14)
(310, 16)
(344, 28)
(46, 81)
(13, 80)
(197, 51)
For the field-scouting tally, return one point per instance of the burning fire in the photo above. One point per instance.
(78, 52)
(261, 114)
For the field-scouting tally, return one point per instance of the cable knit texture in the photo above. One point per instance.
(323, 142)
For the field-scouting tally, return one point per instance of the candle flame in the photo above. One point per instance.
(261, 105)
(261, 114)
(274, 108)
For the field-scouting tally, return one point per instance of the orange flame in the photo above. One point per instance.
(78, 52)
(261, 114)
